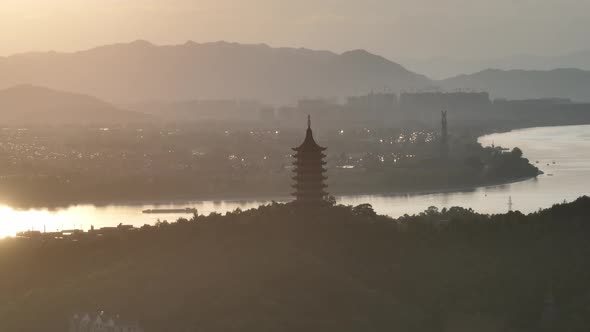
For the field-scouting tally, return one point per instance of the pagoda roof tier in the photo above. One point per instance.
(309, 155)
(310, 185)
(320, 193)
(309, 144)
(313, 177)
(309, 162)
(308, 170)
(306, 197)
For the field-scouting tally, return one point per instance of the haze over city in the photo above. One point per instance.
(378, 165)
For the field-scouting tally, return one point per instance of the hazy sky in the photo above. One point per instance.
(394, 28)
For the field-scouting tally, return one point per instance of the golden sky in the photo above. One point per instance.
(419, 28)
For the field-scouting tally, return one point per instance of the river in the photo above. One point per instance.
(563, 153)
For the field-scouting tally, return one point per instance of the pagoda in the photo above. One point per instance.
(309, 170)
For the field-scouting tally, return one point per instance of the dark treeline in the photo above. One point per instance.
(339, 268)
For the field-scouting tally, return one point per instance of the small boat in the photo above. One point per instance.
(170, 211)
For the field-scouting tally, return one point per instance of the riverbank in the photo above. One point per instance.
(568, 146)
(429, 191)
(246, 198)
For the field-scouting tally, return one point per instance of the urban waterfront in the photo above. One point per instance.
(562, 153)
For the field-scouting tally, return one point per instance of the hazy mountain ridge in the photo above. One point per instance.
(447, 67)
(27, 104)
(143, 71)
(526, 84)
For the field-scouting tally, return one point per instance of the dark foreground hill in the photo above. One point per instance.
(141, 71)
(338, 269)
(31, 105)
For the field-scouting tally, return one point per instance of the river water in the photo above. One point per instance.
(563, 153)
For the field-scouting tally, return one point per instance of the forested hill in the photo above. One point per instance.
(277, 268)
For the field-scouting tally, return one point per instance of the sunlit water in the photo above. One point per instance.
(563, 154)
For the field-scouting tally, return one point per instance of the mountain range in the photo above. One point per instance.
(571, 84)
(445, 67)
(141, 72)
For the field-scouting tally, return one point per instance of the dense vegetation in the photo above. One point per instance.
(338, 268)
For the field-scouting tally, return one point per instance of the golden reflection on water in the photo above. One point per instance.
(13, 220)
(563, 154)
(82, 217)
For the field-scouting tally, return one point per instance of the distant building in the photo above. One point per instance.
(309, 170)
(373, 102)
(444, 136)
(287, 114)
(376, 107)
(101, 323)
(324, 111)
(316, 104)
(267, 114)
(77, 234)
(425, 104)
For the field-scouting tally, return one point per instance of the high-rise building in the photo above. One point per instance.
(309, 170)
(444, 136)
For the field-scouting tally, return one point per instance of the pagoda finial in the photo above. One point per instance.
(308, 121)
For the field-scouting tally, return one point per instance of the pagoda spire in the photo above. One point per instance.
(309, 170)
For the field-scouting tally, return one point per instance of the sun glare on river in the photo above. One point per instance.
(13, 221)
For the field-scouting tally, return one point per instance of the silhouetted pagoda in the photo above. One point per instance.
(309, 170)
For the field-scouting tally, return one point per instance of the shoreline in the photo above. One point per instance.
(279, 196)
(509, 130)
(265, 198)
(451, 189)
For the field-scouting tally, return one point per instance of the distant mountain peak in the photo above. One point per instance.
(141, 43)
(362, 54)
(140, 70)
(357, 52)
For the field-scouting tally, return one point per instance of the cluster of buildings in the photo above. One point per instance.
(374, 107)
(309, 165)
(77, 234)
(386, 108)
(382, 108)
